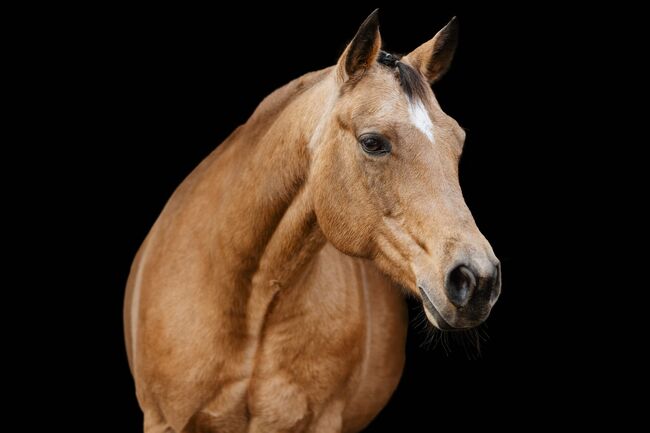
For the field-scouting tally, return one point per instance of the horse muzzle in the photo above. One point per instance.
(466, 298)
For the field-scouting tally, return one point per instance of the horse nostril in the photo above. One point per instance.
(461, 283)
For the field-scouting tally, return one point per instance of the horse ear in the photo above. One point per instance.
(433, 58)
(362, 52)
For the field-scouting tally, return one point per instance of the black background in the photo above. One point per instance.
(158, 88)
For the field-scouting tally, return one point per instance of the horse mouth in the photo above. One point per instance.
(431, 309)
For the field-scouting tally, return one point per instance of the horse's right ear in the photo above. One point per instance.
(362, 52)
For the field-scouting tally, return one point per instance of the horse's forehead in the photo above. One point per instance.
(380, 99)
(388, 108)
(380, 94)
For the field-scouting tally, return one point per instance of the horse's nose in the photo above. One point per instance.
(463, 284)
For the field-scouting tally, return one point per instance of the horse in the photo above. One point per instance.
(269, 294)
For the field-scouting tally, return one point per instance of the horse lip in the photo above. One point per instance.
(428, 304)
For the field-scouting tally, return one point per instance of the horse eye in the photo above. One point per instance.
(374, 144)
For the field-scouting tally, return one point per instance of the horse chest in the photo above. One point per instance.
(332, 349)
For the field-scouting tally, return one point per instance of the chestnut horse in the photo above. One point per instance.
(266, 297)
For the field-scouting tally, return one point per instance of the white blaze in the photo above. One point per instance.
(420, 118)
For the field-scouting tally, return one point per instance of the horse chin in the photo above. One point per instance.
(435, 317)
(439, 322)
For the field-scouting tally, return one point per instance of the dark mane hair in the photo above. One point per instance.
(411, 81)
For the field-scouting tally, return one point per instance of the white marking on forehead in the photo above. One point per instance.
(420, 118)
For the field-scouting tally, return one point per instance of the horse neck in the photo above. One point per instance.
(266, 229)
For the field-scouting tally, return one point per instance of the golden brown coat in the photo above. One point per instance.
(261, 300)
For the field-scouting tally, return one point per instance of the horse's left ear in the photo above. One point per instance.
(362, 52)
(433, 58)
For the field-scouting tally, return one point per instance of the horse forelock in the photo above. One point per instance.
(410, 80)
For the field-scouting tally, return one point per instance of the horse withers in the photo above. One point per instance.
(267, 297)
